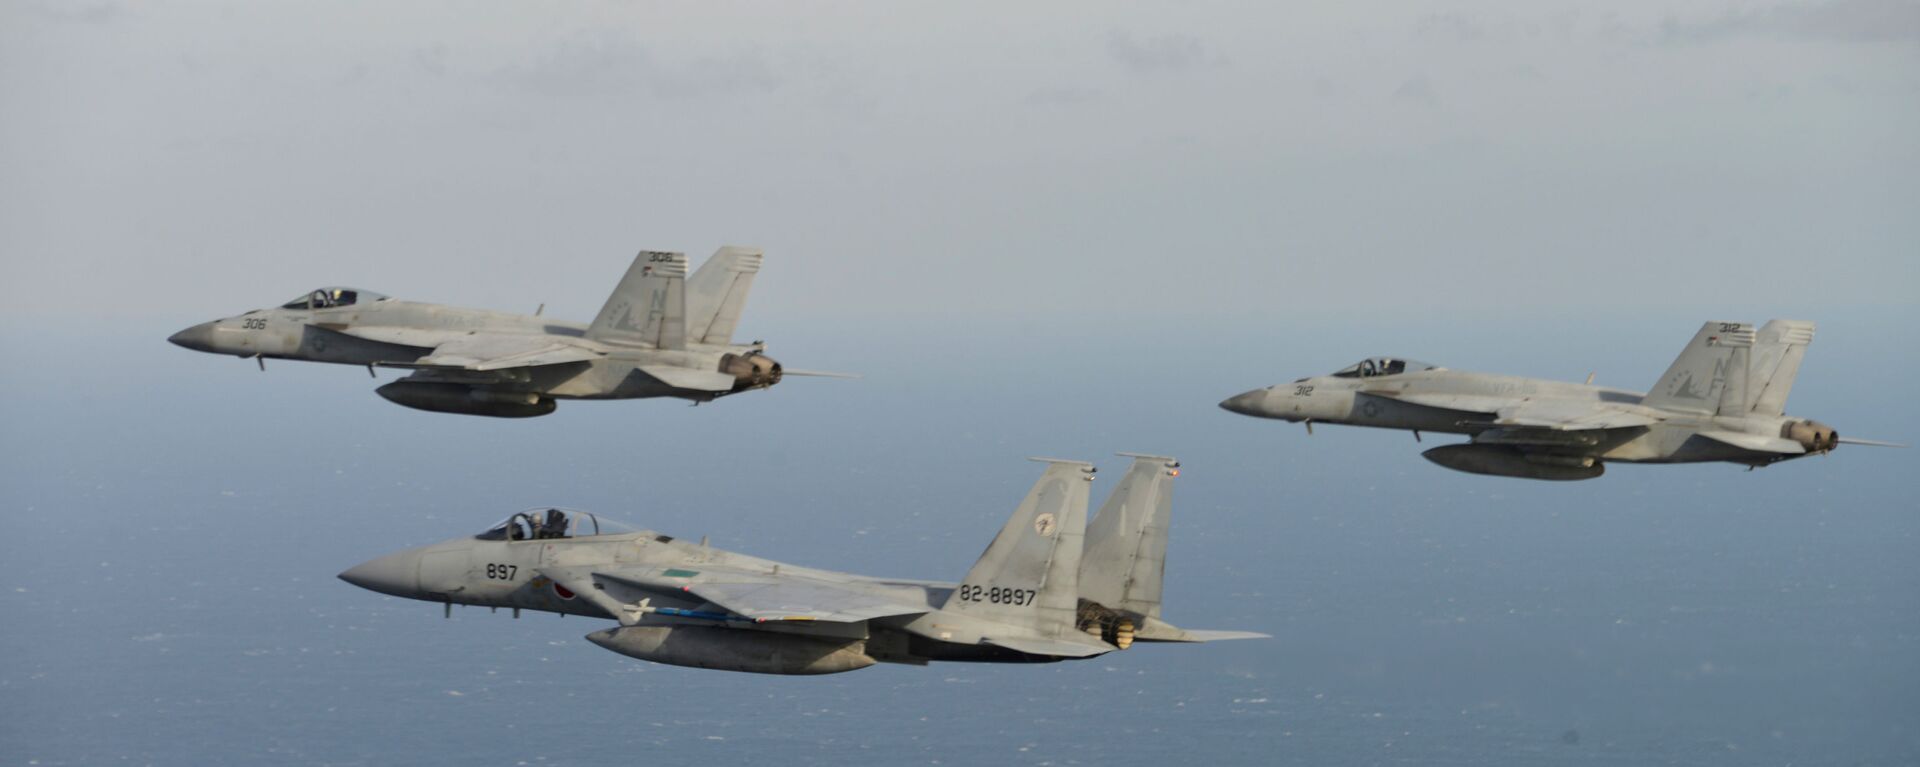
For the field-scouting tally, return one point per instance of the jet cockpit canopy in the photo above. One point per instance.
(547, 522)
(327, 298)
(1382, 366)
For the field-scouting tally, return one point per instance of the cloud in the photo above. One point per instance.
(1846, 21)
(1161, 53)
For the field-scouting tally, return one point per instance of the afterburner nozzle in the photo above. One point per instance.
(752, 370)
(1815, 436)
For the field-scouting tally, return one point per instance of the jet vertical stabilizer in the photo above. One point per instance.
(1126, 554)
(717, 293)
(649, 308)
(1028, 577)
(1777, 351)
(1698, 378)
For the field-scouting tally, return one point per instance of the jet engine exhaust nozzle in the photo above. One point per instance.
(752, 370)
(1815, 436)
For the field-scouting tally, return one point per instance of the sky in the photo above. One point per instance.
(1064, 230)
(938, 158)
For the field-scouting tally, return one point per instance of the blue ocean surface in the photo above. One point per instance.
(176, 521)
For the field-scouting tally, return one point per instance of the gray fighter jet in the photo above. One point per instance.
(661, 334)
(1050, 587)
(1722, 400)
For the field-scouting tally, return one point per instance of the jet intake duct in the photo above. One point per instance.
(752, 370)
(1503, 461)
(758, 652)
(466, 400)
(1815, 436)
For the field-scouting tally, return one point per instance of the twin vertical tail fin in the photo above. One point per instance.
(717, 293)
(1710, 375)
(1051, 577)
(1777, 351)
(1028, 577)
(649, 308)
(1126, 556)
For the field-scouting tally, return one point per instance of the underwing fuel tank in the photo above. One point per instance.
(460, 398)
(757, 652)
(1507, 462)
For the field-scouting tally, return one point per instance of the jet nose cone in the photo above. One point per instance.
(603, 638)
(394, 574)
(198, 338)
(1246, 403)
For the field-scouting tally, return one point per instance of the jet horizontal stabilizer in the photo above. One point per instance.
(1201, 635)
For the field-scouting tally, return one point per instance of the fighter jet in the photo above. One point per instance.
(661, 334)
(1723, 399)
(1050, 587)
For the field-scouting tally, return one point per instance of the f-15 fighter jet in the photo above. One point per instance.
(1050, 587)
(661, 334)
(1722, 400)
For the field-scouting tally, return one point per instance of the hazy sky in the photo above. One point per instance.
(945, 158)
(1057, 229)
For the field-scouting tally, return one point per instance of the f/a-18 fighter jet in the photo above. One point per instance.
(1050, 587)
(661, 334)
(1722, 400)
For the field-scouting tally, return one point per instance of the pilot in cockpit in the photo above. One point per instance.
(555, 524)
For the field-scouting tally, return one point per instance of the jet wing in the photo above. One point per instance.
(499, 351)
(791, 598)
(1554, 415)
(1758, 443)
(767, 597)
(1468, 403)
(1059, 648)
(387, 334)
(1563, 415)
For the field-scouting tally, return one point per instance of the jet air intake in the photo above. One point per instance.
(1500, 461)
(467, 400)
(752, 370)
(756, 652)
(1815, 436)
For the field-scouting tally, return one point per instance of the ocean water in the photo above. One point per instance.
(176, 521)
